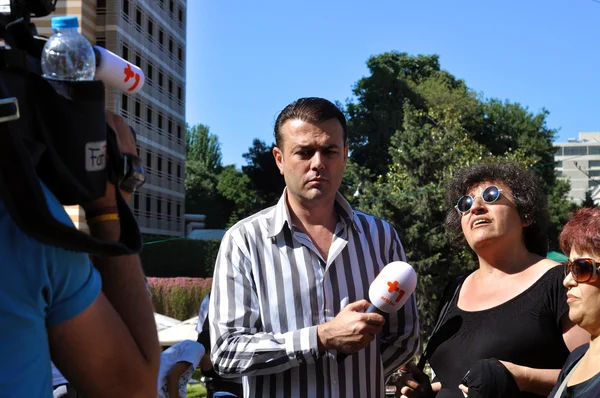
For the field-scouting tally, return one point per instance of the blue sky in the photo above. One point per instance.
(246, 60)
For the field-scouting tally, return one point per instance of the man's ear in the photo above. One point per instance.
(278, 155)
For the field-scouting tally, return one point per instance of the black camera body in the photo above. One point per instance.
(53, 133)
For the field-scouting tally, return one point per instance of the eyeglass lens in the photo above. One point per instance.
(489, 195)
(582, 269)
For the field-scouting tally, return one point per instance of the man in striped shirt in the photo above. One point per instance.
(290, 282)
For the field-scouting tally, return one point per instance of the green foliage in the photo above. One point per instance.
(202, 168)
(412, 127)
(588, 201)
(178, 298)
(203, 147)
(180, 257)
(257, 186)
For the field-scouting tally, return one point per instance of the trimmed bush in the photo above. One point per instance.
(180, 257)
(179, 298)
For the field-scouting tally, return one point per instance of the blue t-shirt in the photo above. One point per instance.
(40, 285)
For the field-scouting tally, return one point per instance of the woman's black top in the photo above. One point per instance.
(525, 330)
(588, 389)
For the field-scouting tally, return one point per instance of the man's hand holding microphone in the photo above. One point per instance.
(357, 324)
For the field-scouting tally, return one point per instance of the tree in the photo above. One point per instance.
(588, 201)
(202, 146)
(202, 167)
(257, 186)
(378, 111)
(262, 170)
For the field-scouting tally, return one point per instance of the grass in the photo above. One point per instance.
(196, 391)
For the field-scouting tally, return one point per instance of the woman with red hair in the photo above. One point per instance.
(580, 238)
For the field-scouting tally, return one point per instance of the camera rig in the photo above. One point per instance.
(54, 134)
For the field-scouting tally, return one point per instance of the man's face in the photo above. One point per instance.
(312, 160)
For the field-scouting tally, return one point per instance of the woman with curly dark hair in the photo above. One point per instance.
(504, 329)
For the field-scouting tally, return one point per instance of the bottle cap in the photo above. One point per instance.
(68, 21)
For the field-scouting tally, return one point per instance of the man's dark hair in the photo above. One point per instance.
(526, 190)
(310, 110)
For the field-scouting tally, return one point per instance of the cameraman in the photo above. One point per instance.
(95, 320)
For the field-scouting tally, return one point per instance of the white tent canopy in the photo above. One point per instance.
(185, 330)
(164, 322)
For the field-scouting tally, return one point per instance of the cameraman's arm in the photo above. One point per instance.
(111, 348)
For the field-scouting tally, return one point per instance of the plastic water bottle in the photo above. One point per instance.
(67, 55)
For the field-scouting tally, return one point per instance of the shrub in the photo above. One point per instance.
(182, 257)
(179, 298)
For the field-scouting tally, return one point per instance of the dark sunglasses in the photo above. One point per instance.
(489, 195)
(583, 269)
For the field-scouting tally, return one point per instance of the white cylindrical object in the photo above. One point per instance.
(393, 286)
(118, 73)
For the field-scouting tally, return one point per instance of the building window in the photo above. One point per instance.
(559, 151)
(168, 209)
(150, 27)
(161, 36)
(126, 7)
(148, 204)
(160, 79)
(179, 93)
(138, 59)
(594, 173)
(178, 171)
(170, 46)
(150, 71)
(178, 132)
(149, 159)
(593, 163)
(160, 121)
(170, 86)
(149, 115)
(159, 164)
(124, 102)
(180, 14)
(178, 210)
(138, 109)
(558, 173)
(593, 183)
(558, 163)
(169, 164)
(170, 126)
(575, 150)
(101, 42)
(125, 51)
(159, 207)
(594, 150)
(138, 17)
(171, 6)
(180, 53)
(136, 201)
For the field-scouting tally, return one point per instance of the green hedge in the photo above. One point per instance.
(179, 298)
(179, 257)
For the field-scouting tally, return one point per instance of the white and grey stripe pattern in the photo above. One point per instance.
(271, 289)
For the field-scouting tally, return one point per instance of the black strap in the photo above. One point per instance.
(454, 288)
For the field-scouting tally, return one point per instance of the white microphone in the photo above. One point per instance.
(390, 290)
(392, 287)
(116, 72)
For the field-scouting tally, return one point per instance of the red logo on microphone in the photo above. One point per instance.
(130, 74)
(394, 288)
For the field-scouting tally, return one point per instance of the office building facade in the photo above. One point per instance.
(578, 160)
(151, 34)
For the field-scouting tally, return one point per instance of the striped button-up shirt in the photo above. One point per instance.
(272, 288)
